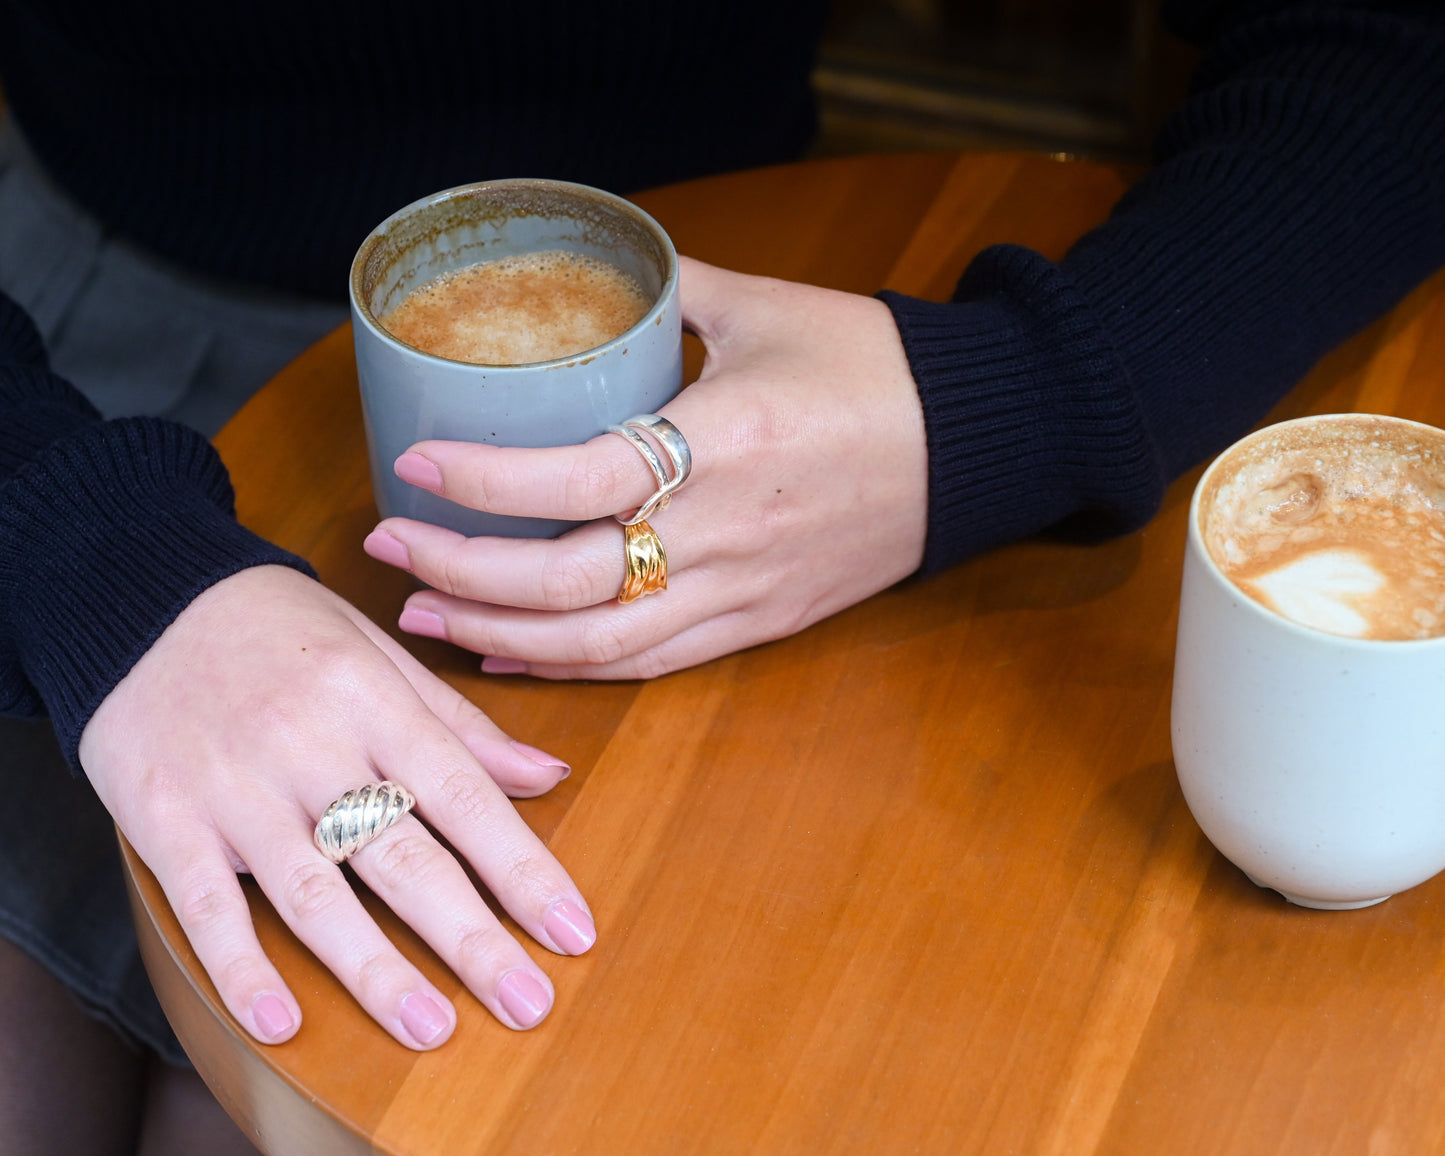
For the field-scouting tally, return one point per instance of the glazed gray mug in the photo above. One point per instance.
(409, 395)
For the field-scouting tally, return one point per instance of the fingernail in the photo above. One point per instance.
(423, 1018)
(273, 1018)
(417, 621)
(416, 470)
(570, 928)
(494, 665)
(542, 758)
(524, 999)
(384, 548)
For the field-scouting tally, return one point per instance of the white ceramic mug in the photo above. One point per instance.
(409, 395)
(1313, 761)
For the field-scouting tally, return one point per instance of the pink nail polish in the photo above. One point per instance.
(570, 928)
(417, 621)
(423, 1018)
(273, 1018)
(541, 758)
(523, 998)
(385, 548)
(416, 470)
(495, 665)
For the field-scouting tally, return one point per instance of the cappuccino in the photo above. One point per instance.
(520, 310)
(1337, 524)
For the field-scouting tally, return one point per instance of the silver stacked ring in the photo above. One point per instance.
(679, 457)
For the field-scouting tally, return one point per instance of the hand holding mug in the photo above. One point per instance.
(808, 493)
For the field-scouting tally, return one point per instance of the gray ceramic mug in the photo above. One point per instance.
(408, 395)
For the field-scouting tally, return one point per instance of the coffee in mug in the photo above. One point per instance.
(1309, 670)
(521, 309)
(548, 248)
(1339, 527)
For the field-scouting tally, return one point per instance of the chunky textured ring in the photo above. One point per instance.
(673, 444)
(358, 817)
(646, 562)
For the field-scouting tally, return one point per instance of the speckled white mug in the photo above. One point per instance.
(1314, 762)
(409, 395)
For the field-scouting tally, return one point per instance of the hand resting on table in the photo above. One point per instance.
(808, 493)
(267, 698)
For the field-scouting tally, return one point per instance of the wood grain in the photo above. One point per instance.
(919, 879)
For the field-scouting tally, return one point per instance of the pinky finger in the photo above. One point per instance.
(211, 907)
(701, 643)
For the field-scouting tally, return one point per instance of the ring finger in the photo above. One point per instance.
(409, 871)
(582, 568)
(592, 636)
(315, 900)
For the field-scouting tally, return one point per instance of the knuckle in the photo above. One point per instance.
(527, 875)
(651, 664)
(586, 485)
(482, 950)
(564, 585)
(601, 644)
(311, 890)
(465, 796)
(203, 904)
(372, 978)
(450, 572)
(403, 859)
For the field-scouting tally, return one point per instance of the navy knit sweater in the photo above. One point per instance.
(1297, 194)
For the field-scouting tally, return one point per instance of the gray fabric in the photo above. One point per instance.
(138, 337)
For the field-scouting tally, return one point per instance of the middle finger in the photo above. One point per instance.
(581, 568)
(413, 875)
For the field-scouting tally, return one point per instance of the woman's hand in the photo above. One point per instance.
(808, 493)
(264, 701)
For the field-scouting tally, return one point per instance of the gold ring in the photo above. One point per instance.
(646, 562)
(358, 817)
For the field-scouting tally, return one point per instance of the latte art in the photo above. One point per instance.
(1338, 527)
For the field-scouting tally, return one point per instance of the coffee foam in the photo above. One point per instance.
(521, 309)
(1337, 524)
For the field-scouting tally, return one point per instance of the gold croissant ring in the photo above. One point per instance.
(358, 817)
(646, 562)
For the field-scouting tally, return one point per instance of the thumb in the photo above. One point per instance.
(707, 295)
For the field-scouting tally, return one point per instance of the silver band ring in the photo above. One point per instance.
(673, 444)
(358, 817)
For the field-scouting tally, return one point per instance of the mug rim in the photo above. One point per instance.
(666, 291)
(1197, 546)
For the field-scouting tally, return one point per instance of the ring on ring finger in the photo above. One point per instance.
(646, 562)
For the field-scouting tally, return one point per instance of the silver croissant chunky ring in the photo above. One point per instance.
(358, 817)
(673, 444)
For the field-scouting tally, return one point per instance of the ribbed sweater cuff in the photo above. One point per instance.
(105, 538)
(36, 408)
(1029, 419)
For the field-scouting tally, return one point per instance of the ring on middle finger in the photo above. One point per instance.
(673, 444)
(358, 817)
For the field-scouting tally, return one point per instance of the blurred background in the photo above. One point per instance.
(1079, 77)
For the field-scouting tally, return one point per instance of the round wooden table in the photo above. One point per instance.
(919, 879)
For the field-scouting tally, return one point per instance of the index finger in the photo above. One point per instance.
(576, 483)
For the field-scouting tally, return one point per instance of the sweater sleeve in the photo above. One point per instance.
(108, 530)
(1298, 194)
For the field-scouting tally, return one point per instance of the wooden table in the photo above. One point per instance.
(919, 879)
